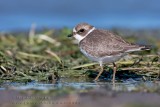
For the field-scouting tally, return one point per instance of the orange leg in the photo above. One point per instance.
(99, 72)
(114, 72)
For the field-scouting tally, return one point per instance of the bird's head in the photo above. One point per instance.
(81, 30)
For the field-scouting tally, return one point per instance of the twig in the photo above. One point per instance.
(85, 65)
(49, 39)
(131, 62)
(144, 56)
(54, 55)
(32, 55)
(153, 69)
(32, 33)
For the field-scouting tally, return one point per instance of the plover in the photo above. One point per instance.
(102, 46)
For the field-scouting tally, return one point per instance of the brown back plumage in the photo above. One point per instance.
(100, 43)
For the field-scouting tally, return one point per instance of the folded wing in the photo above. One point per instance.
(100, 43)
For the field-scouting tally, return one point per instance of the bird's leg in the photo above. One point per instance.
(114, 72)
(99, 74)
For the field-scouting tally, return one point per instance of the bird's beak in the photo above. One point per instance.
(70, 35)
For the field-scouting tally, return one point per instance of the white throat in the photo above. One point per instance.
(79, 37)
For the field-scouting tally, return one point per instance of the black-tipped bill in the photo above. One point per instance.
(70, 35)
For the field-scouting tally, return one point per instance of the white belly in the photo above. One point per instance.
(106, 59)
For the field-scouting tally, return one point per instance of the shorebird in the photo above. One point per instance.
(102, 46)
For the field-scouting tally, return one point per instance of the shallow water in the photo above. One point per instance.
(125, 85)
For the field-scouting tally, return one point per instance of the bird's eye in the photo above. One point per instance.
(81, 30)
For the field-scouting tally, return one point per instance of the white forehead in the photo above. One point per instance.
(85, 27)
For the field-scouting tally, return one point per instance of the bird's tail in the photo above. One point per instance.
(145, 47)
(139, 48)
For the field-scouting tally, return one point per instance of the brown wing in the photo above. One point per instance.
(101, 43)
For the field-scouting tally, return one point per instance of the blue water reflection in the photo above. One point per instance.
(20, 14)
